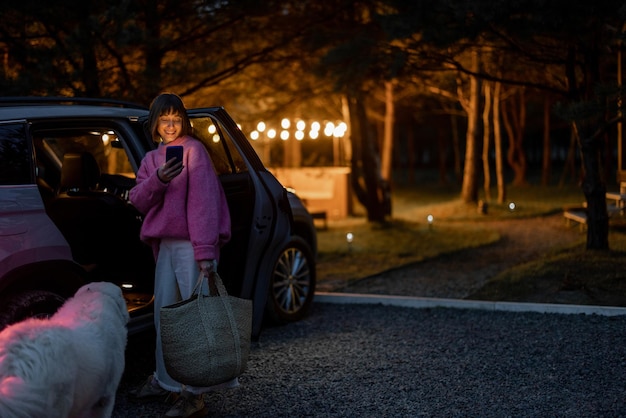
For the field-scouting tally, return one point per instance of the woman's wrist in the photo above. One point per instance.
(159, 175)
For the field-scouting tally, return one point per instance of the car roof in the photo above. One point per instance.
(30, 112)
(33, 108)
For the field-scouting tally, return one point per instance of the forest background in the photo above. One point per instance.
(482, 90)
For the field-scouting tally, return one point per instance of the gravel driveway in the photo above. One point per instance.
(385, 361)
(351, 360)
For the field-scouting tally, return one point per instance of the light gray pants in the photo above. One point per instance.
(175, 277)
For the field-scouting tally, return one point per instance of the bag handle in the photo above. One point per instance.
(215, 284)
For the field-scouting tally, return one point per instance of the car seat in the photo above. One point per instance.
(90, 219)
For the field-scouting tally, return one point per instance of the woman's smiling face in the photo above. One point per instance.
(170, 127)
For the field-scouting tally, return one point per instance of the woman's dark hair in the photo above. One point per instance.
(166, 104)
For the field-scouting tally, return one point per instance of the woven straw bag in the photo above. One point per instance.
(206, 339)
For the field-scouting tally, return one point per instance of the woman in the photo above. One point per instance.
(186, 222)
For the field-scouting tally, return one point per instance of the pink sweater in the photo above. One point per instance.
(191, 207)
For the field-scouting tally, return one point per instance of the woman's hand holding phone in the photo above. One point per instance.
(173, 163)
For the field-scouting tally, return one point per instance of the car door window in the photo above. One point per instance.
(219, 144)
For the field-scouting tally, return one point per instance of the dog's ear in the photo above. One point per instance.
(114, 292)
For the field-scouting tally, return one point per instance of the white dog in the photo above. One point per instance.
(67, 366)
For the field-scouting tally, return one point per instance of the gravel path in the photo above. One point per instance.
(462, 273)
(382, 361)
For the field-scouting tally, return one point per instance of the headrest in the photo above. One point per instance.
(79, 171)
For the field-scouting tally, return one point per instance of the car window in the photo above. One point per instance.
(104, 145)
(219, 143)
(15, 155)
(117, 175)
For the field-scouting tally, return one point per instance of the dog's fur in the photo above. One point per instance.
(67, 366)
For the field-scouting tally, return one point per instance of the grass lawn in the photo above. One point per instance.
(408, 238)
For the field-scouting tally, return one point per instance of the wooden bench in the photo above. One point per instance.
(579, 214)
(619, 200)
(575, 215)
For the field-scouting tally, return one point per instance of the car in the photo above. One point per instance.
(66, 168)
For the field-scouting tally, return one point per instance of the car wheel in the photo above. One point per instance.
(29, 304)
(292, 284)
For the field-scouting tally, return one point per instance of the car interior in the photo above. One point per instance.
(85, 174)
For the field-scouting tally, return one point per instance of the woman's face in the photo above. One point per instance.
(170, 127)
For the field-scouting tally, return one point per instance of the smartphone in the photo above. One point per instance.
(174, 151)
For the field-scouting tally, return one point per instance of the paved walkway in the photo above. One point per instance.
(420, 302)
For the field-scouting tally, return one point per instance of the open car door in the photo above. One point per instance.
(258, 203)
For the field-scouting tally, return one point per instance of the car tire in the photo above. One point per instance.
(292, 285)
(29, 304)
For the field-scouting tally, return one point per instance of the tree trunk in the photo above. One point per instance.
(387, 149)
(514, 118)
(593, 188)
(410, 145)
(442, 151)
(570, 160)
(345, 140)
(497, 140)
(546, 165)
(370, 189)
(456, 148)
(590, 148)
(486, 138)
(89, 73)
(469, 189)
